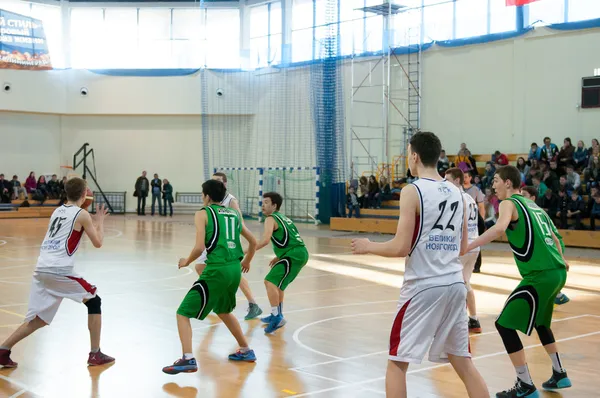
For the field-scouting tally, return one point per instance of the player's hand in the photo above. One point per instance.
(567, 264)
(182, 263)
(360, 246)
(101, 213)
(273, 262)
(245, 266)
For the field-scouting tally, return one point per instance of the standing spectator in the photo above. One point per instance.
(500, 159)
(573, 178)
(374, 192)
(54, 187)
(565, 155)
(31, 183)
(352, 203)
(595, 213)
(168, 197)
(549, 150)
(5, 190)
(156, 190)
(479, 198)
(141, 191)
(17, 188)
(534, 153)
(580, 156)
(575, 209)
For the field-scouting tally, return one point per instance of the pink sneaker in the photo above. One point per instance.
(5, 360)
(99, 358)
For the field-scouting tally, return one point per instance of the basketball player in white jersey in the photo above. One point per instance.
(230, 201)
(468, 260)
(431, 311)
(54, 278)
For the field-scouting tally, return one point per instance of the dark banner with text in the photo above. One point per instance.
(23, 43)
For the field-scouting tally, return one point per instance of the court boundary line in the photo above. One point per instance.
(491, 355)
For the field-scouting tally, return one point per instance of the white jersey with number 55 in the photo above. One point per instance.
(434, 256)
(61, 242)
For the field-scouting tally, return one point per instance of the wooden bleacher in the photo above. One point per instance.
(36, 209)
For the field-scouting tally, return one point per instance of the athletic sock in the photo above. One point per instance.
(96, 350)
(275, 311)
(188, 356)
(4, 348)
(523, 374)
(280, 308)
(560, 295)
(556, 364)
(475, 318)
(252, 301)
(244, 349)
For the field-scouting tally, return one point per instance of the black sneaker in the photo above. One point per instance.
(559, 380)
(519, 390)
(474, 326)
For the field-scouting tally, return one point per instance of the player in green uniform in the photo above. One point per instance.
(218, 230)
(541, 263)
(530, 193)
(290, 256)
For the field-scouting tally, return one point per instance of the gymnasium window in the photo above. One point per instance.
(547, 12)
(471, 18)
(580, 10)
(86, 44)
(438, 17)
(188, 33)
(223, 38)
(265, 34)
(502, 18)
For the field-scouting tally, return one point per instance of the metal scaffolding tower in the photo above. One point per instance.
(386, 94)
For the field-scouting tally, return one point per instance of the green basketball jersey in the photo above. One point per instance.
(223, 235)
(530, 238)
(286, 237)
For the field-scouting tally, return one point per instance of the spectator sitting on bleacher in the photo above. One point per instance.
(488, 178)
(63, 193)
(573, 178)
(539, 186)
(31, 183)
(563, 185)
(53, 187)
(499, 159)
(595, 213)
(363, 185)
(565, 155)
(549, 150)
(593, 190)
(352, 203)
(534, 153)
(42, 189)
(492, 199)
(594, 149)
(580, 156)
(548, 202)
(560, 171)
(17, 189)
(523, 168)
(592, 172)
(374, 192)
(562, 208)
(443, 163)
(5, 190)
(575, 209)
(549, 177)
(385, 192)
(533, 170)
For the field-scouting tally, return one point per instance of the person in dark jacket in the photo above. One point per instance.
(142, 186)
(352, 203)
(5, 190)
(17, 189)
(167, 197)
(156, 190)
(54, 187)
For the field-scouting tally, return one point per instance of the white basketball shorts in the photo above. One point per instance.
(468, 261)
(48, 291)
(433, 320)
(202, 258)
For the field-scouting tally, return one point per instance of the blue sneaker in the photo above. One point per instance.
(182, 365)
(559, 380)
(276, 322)
(247, 356)
(561, 299)
(267, 319)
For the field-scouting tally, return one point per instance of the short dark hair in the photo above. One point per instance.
(531, 191)
(215, 190)
(455, 173)
(222, 175)
(75, 188)
(510, 173)
(276, 199)
(428, 146)
(533, 143)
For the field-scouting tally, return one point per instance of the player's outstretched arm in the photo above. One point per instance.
(200, 220)
(399, 246)
(94, 225)
(506, 211)
(267, 233)
(249, 253)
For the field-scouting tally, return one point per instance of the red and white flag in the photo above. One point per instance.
(518, 2)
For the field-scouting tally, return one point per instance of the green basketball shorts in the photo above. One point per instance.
(214, 291)
(288, 267)
(531, 304)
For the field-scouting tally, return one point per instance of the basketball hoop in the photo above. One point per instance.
(67, 171)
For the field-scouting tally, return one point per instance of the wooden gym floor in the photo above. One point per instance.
(339, 313)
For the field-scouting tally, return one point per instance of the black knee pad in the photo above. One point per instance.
(510, 338)
(94, 305)
(545, 334)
